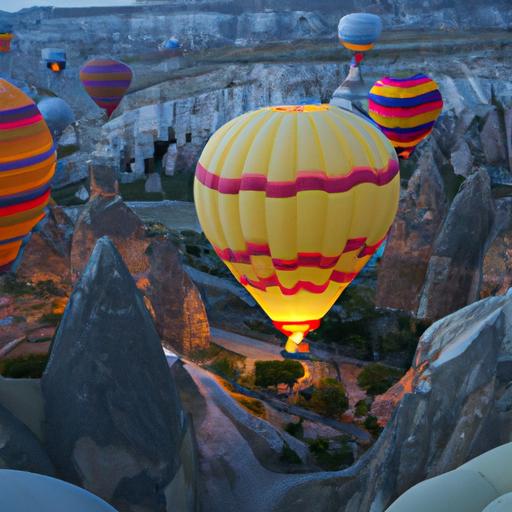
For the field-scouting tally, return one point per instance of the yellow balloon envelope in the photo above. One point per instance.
(295, 200)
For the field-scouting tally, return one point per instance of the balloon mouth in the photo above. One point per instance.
(296, 332)
(404, 154)
(300, 108)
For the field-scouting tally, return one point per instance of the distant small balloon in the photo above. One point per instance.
(106, 81)
(57, 114)
(359, 31)
(405, 109)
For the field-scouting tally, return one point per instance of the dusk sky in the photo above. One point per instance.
(16, 5)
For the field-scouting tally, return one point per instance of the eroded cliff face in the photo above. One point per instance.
(456, 403)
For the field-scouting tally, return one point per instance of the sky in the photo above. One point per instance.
(16, 5)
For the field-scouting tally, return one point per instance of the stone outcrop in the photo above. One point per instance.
(497, 264)
(46, 255)
(454, 272)
(19, 447)
(422, 209)
(114, 421)
(179, 312)
(459, 405)
(106, 214)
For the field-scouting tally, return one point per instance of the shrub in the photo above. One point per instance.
(289, 456)
(330, 460)
(24, 367)
(253, 405)
(272, 373)
(377, 378)
(225, 367)
(361, 408)
(329, 398)
(319, 445)
(295, 429)
(371, 424)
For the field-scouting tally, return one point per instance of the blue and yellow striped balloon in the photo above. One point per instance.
(405, 109)
(359, 31)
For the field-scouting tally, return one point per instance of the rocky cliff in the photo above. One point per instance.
(456, 404)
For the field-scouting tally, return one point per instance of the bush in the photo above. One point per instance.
(371, 424)
(272, 373)
(225, 367)
(295, 429)
(289, 456)
(361, 408)
(24, 367)
(377, 378)
(330, 460)
(253, 405)
(329, 398)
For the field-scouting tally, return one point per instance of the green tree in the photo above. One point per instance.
(272, 373)
(377, 378)
(329, 398)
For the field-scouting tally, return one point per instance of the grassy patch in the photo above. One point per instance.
(361, 408)
(24, 367)
(227, 364)
(65, 196)
(377, 378)
(253, 405)
(295, 429)
(51, 318)
(64, 151)
(328, 398)
(371, 424)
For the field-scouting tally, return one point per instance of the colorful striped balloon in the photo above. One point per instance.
(5, 42)
(295, 200)
(405, 109)
(359, 31)
(106, 81)
(27, 165)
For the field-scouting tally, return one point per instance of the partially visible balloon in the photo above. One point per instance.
(405, 109)
(106, 81)
(57, 114)
(359, 31)
(295, 200)
(54, 58)
(27, 165)
(171, 44)
(22, 491)
(6, 36)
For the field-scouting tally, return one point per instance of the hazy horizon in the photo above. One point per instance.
(16, 5)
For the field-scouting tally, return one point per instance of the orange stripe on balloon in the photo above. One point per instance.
(28, 205)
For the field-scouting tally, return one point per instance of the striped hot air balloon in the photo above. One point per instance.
(405, 109)
(5, 42)
(27, 164)
(106, 81)
(359, 31)
(295, 200)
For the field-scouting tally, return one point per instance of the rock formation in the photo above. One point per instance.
(114, 422)
(422, 209)
(179, 312)
(107, 215)
(46, 255)
(454, 272)
(458, 405)
(19, 447)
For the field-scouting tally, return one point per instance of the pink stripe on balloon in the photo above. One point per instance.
(305, 181)
(404, 112)
(22, 122)
(404, 84)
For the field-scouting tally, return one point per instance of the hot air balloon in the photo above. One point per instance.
(57, 114)
(106, 81)
(27, 164)
(405, 109)
(54, 58)
(22, 491)
(358, 32)
(6, 36)
(295, 200)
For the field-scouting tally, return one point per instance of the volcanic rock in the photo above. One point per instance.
(46, 255)
(179, 312)
(455, 409)
(454, 271)
(19, 447)
(402, 270)
(114, 421)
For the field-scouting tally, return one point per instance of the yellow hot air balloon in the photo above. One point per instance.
(295, 200)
